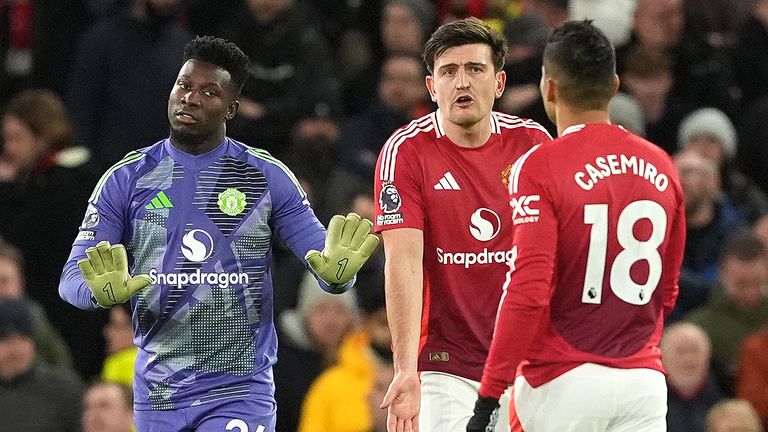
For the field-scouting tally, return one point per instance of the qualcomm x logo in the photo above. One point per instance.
(447, 182)
(521, 206)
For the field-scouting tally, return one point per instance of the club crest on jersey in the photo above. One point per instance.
(231, 202)
(505, 175)
(389, 199)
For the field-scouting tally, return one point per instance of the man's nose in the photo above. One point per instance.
(462, 80)
(191, 98)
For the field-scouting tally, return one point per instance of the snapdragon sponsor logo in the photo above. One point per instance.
(468, 259)
(484, 225)
(197, 246)
(181, 280)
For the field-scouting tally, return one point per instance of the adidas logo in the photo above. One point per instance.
(161, 201)
(447, 182)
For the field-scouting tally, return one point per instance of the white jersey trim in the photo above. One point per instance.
(517, 167)
(511, 122)
(391, 146)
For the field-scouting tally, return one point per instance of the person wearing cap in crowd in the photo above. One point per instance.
(310, 336)
(710, 132)
(33, 397)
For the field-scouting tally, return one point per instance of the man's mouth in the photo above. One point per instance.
(185, 117)
(463, 101)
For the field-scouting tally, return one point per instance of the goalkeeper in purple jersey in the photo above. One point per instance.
(183, 230)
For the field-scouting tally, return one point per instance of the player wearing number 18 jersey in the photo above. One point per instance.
(599, 237)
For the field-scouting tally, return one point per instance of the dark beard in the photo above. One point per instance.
(190, 140)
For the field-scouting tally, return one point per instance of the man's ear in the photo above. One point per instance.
(232, 110)
(550, 90)
(430, 81)
(501, 82)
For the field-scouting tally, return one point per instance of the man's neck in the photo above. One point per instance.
(196, 146)
(468, 136)
(569, 116)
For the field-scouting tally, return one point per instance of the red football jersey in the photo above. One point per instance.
(599, 238)
(458, 197)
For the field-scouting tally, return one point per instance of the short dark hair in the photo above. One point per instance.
(744, 245)
(464, 32)
(222, 53)
(581, 59)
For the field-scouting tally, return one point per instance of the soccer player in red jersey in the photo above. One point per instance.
(598, 239)
(445, 221)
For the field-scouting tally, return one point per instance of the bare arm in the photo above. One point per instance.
(404, 284)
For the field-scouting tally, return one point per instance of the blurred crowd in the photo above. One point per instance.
(83, 82)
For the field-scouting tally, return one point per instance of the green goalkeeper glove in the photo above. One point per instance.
(106, 273)
(348, 245)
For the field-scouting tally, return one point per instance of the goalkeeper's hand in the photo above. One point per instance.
(348, 245)
(485, 415)
(105, 271)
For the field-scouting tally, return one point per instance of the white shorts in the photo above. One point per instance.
(447, 402)
(593, 398)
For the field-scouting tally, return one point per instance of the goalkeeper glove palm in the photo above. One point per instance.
(348, 245)
(105, 271)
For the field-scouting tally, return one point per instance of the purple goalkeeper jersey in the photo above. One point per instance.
(201, 226)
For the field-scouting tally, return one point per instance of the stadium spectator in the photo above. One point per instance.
(401, 97)
(51, 347)
(121, 77)
(310, 336)
(526, 35)
(702, 73)
(44, 172)
(738, 306)
(710, 216)
(733, 415)
(752, 372)
(37, 42)
(291, 74)
(108, 407)
(686, 353)
(710, 133)
(404, 27)
(33, 397)
(121, 352)
(649, 78)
